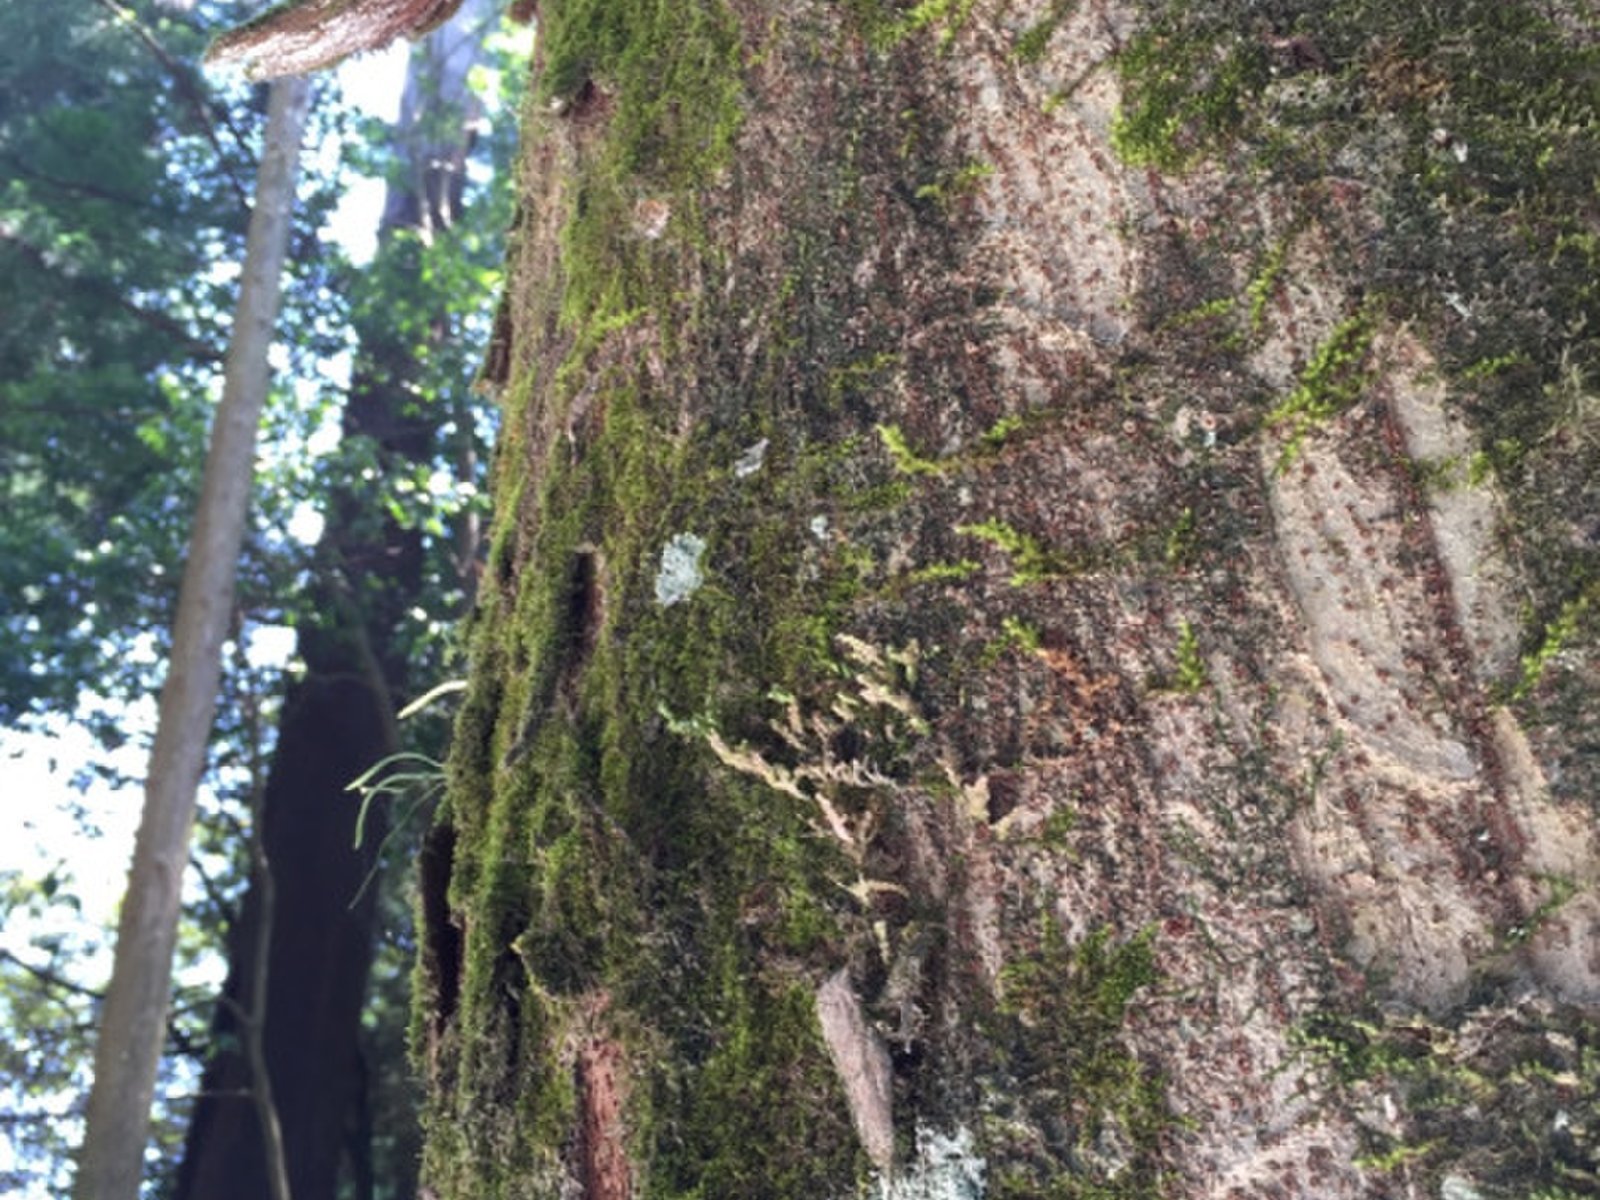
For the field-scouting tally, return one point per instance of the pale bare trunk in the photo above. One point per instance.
(133, 1020)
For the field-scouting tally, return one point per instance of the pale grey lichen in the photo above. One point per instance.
(750, 461)
(945, 1168)
(680, 576)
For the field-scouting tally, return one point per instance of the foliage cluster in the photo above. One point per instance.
(124, 183)
(125, 188)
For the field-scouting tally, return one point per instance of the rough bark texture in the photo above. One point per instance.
(133, 1023)
(1049, 546)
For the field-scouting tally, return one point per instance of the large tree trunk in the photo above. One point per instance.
(133, 1022)
(998, 668)
(338, 721)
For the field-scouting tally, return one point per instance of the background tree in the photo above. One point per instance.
(61, 457)
(1001, 669)
(387, 567)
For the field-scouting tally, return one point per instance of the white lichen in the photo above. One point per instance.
(680, 575)
(945, 1168)
(749, 462)
(1457, 1187)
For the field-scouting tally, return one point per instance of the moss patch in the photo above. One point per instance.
(1107, 1112)
(605, 864)
(1446, 153)
(1503, 1096)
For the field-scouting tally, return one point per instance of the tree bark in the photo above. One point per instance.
(133, 1020)
(338, 720)
(998, 669)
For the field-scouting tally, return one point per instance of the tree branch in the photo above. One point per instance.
(49, 978)
(181, 1041)
(298, 39)
(255, 1022)
(107, 290)
(190, 91)
(74, 185)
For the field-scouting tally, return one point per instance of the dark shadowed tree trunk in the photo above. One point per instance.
(1039, 631)
(339, 720)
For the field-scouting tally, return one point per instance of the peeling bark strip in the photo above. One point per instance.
(603, 1156)
(863, 1064)
(308, 37)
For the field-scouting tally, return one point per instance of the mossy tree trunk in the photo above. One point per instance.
(1038, 638)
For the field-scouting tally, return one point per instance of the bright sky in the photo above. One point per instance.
(372, 83)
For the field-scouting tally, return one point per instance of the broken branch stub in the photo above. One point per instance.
(296, 39)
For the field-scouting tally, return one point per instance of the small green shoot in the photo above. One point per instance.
(1332, 381)
(448, 688)
(1180, 538)
(1191, 675)
(1000, 432)
(1557, 636)
(906, 460)
(945, 572)
(958, 183)
(1030, 561)
(1261, 289)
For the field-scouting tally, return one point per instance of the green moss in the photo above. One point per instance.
(1331, 382)
(759, 1115)
(1394, 1158)
(906, 460)
(1058, 827)
(1180, 538)
(1211, 310)
(1002, 431)
(1191, 674)
(1069, 1004)
(946, 572)
(1555, 637)
(955, 184)
(1506, 1095)
(888, 25)
(1184, 95)
(1015, 634)
(1560, 889)
(1033, 41)
(1263, 285)
(1030, 561)
(860, 376)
